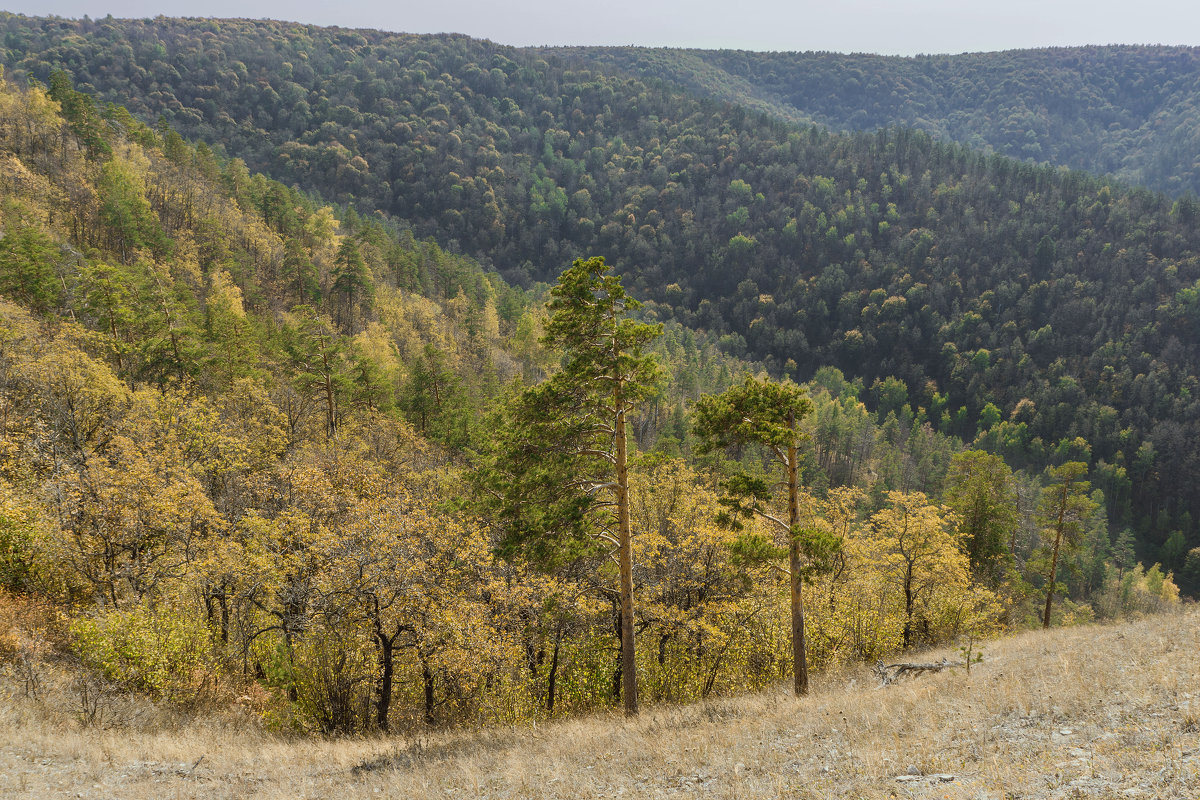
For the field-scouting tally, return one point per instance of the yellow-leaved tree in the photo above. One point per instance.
(413, 579)
(915, 545)
(706, 615)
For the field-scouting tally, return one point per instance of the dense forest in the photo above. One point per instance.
(1048, 314)
(1128, 111)
(259, 450)
(334, 444)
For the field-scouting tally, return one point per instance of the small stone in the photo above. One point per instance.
(912, 770)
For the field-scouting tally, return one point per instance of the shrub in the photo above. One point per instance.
(157, 650)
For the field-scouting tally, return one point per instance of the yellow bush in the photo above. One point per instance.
(157, 650)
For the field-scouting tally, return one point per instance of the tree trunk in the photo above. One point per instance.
(330, 407)
(178, 360)
(386, 668)
(616, 676)
(532, 657)
(223, 603)
(1058, 533)
(625, 544)
(799, 654)
(427, 678)
(552, 677)
(909, 602)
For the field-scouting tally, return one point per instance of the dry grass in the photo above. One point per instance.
(1081, 712)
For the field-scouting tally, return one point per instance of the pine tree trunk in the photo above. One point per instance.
(1058, 534)
(330, 407)
(625, 544)
(799, 647)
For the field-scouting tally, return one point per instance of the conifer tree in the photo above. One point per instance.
(299, 273)
(1064, 508)
(27, 261)
(767, 413)
(559, 477)
(981, 491)
(352, 282)
(318, 357)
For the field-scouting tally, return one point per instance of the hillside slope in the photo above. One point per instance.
(1128, 111)
(1050, 315)
(1088, 711)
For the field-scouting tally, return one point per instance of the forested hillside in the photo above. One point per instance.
(1128, 111)
(261, 450)
(1049, 314)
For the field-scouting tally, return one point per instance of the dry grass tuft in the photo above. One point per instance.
(1081, 712)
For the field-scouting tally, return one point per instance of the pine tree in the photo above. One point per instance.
(352, 282)
(318, 357)
(763, 412)
(299, 273)
(981, 491)
(1064, 508)
(559, 475)
(27, 268)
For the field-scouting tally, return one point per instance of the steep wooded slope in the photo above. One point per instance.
(229, 430)
(1051, 314)
(231, 445)
(1129, 111)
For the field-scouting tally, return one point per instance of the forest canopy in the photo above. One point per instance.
(1025, 306)
(256, 429)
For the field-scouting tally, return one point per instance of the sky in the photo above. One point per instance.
(900, 27)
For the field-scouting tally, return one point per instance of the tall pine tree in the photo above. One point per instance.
(558, 479)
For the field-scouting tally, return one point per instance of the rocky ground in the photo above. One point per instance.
(1097, 711)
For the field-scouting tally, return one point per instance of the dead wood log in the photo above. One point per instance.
(890, 673)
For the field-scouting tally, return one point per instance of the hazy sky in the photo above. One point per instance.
(880, 26)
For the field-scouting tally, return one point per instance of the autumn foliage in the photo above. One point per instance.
(241, 444)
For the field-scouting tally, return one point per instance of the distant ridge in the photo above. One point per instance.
(1132, 111)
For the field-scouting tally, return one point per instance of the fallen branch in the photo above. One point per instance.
(890, 673)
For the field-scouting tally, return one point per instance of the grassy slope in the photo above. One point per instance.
(1089, 711)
